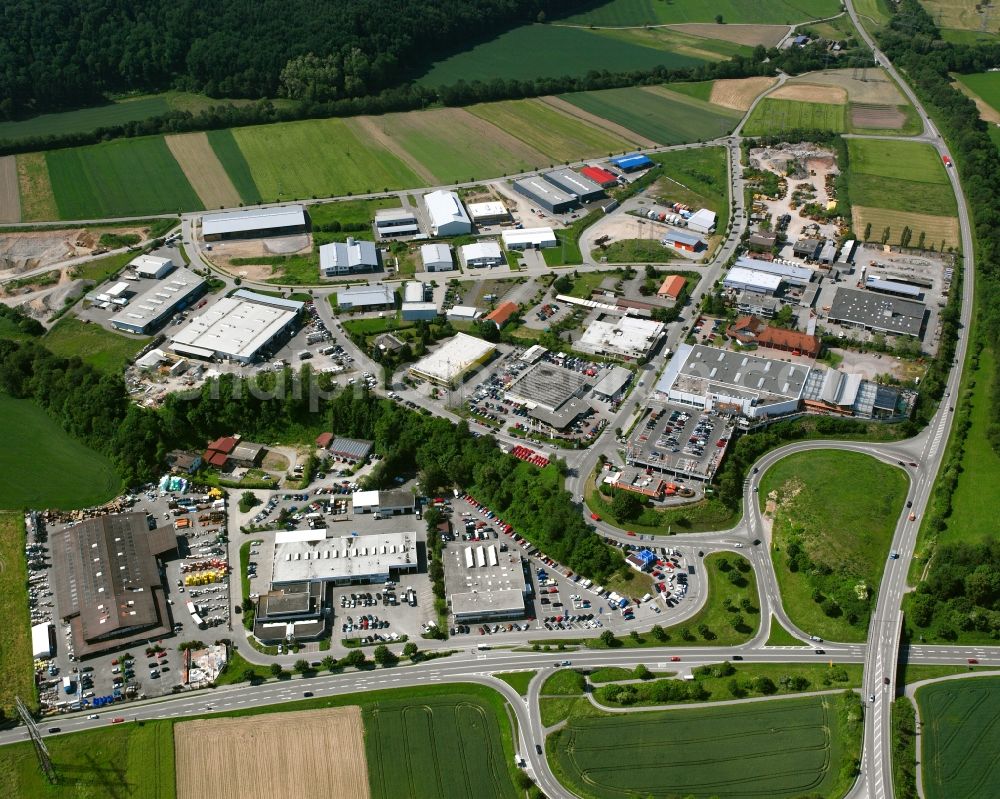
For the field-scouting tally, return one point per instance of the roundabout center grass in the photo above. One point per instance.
(834, 516)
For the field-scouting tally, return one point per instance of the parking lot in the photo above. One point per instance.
(680, 441)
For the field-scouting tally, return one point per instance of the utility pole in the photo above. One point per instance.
(41, 750)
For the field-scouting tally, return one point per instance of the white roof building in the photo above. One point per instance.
(376, 296)
(485, 213)
(627, 337)
(437, 257)
(482, 253)
(154, 306)
(447, 214)
(449, 363)
(281, 219)
(344, 258)
(118, 289)
(41, 643)
(151, 266)
(322, 556)
(463, 313)
(743, 279)
(702, 221)
(538, 237)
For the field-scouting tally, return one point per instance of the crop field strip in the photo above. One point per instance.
(652, 12)
(746, 34)
(960, 724)
(899, 176)
(596, 121)
(961, 15)
(15, 657)
(231, 157)
(871, 86)
(675, 42)
(203, 170)
(782, 747)
(10, 195)
(780, 116)
(984, 89)
(38, 203)
(937, 228)
(739, 93)
(85, 120)
(371, 128)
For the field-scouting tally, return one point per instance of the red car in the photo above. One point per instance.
(675, 659)
(946, 159)
(631, 533)
(595, 517)
(973, 661)
(117, 720)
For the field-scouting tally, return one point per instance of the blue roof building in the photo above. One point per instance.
(630, 163)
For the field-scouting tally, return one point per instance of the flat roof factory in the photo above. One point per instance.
(348, 257)
(437, 257)
(601, 177)
(449, 362)
(489, 213)
(575, 184)
(362, 297)
(396, 222)
(545, 194)
(482, 254)
(878, 312)
(484, 583)
(893, 287)
(537, 237)
(789, 273)
(626, 337)
(151, 266)
(254, 222)
(631, 163)
(320, 556)
(152, 308)
(702, 221)
(743, 279)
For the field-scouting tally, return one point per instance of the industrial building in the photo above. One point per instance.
(733, 383)
(849, 394)
(576, 185)
(627, 337)
(611, 387)
(762, 305)
(485, 583)
(447, 214)
(632, 163)
(415, 307)
(878, 312)
(828, 253)
(366, 298)
(601, 177)
(545, 195)
(294, 611)
(740, 278)
(320, 556)
(502, 314)
(106, 575)
(789, 273)
(383, 504)
(352, 450)
(151, 266)
(392, 222)
(156, 305)
(762, 241)
(893, 287)
(437, 257)
(751, 330)
(43, 640)
(551, 394)
(348, 257)
(671, 287)
(239, 328)
(529, 238)
(482, 254)
(702, 221)
(463, 313)
(679, 240)
(847, 252)
(807, 249)
(490, 213)
(448, 364)
(254, 223)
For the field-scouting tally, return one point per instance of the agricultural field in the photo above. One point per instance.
(744, 34)
(119, 178)
(85, 120)
(962, 17)
(940, 232)
(653, 12)
(322, 157)
(739, 93)
(38, 203)
(315, 753)
(899, 176)
(696, 178)
(69, 476)
(777, 748)
(549, 51)
(873, 13)
(661, 115)
(876, 87)
(984, 88)
(551, 132)
(10, 194)
(349, 212)
(683, 42)
(776, 116)
(619, 131)
(834, 516)
(15, 655)
(93, 344)
(959, 723)
(203, 170)
(231, 157)
(875, 102)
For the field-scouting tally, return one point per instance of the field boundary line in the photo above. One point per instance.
(600, 122)
(709, 705)
(367, 125)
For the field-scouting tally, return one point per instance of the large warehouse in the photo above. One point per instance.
(878, 312)
(632, 163)
(239, 328)
(490, 213)
(390, 222)
(366, 298)
(485, 584)
(551, 394)
(533, 237)
(545, 195)
(789, 273)
(446, 213)
(732, 382)
(740, 278)
(254, 223)
(311, 556)
(575, 184)
(107, 581)
(152, 266)
(155, 306)
(627, 337)
(348, 257)
(448, 364)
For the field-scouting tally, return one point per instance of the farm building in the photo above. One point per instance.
(671, 287)
(536, 237)
(482, 254)
(352, 450)
(155, 306)
(217, 453)
(740, 278)
(601, 177)
(106, 576)
(491, 213)
(612, 386)
(448, 364)
(893, 287)
(320, 556)
(437, 257)
(463, 313)
(702, 221)
(390, 222)
(632, 163)
(365, 298)
(679, 240)
(789, 273)
(751, 330)
(240, 328)
(152, 266)
(732, 382)
(575, 184)
(502, 314)
(254, 223)
(878, 312)
(348, 257)
(545, 195)
(807, 249)
(762, 241)
(627, 337)
(446, 213)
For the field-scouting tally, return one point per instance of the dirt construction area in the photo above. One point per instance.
(739, 93)
(887, 117)
(811, 93)
(309, 754)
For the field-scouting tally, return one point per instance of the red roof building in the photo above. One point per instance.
(502, 314)
(751, 330)
(672, 287)
(600, 176)
(225, 445)
(323, 440)
(218, 451)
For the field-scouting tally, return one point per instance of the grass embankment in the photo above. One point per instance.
(93, 344)
(518, 680)
(904, 748)
(834, 516)
(779, 636)
(65, 475)
(16, 673)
